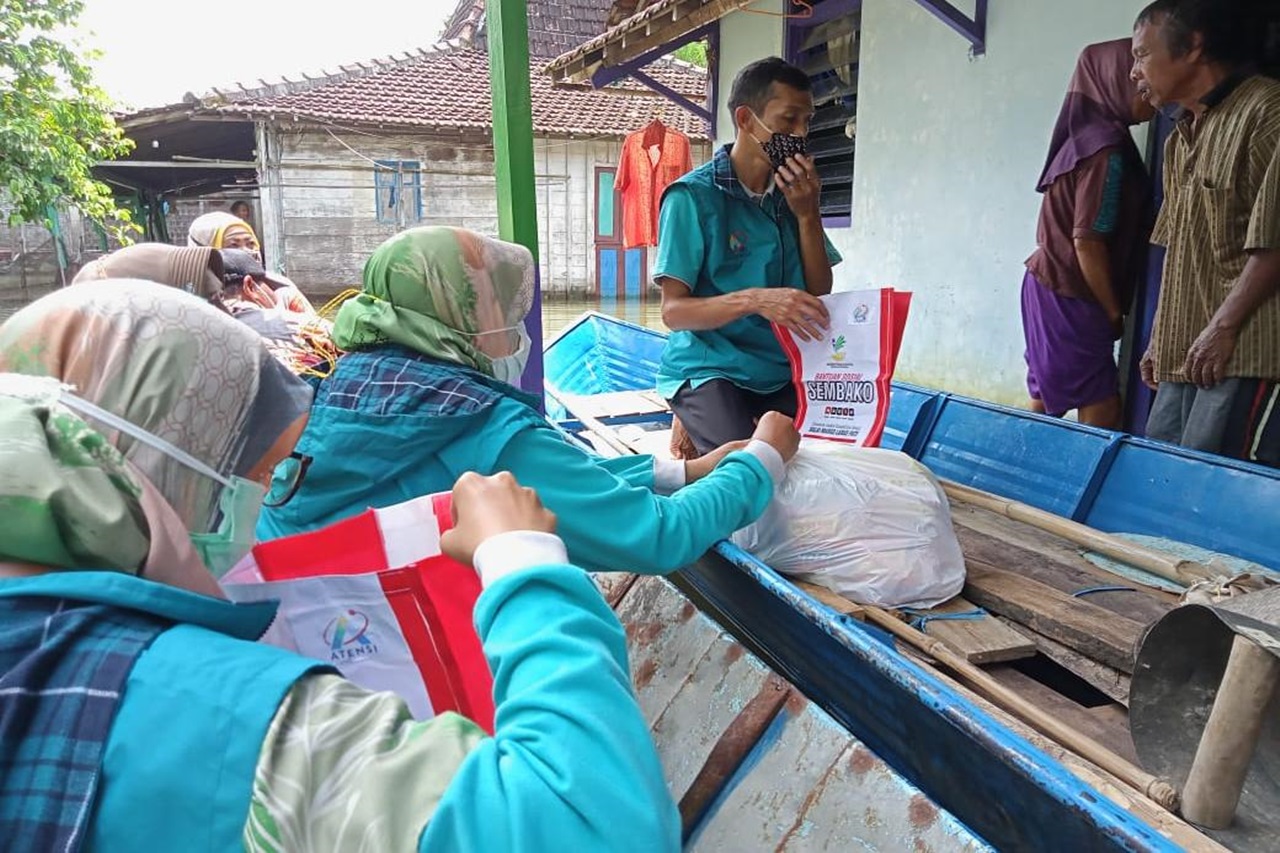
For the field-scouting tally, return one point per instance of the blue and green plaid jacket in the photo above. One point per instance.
(63, 667)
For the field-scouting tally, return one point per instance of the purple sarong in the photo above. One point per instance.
(1070, 350)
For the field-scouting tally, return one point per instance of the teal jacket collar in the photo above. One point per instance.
(242, 621)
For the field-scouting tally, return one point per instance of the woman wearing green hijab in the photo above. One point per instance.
(436, 345)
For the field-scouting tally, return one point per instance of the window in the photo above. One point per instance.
(398, 191)
(826, 46)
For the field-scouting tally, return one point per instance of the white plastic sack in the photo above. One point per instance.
(870, 524)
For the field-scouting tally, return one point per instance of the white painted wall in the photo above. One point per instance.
(744, 38)
(949, 149)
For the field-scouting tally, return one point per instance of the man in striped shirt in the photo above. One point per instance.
(1214, 354)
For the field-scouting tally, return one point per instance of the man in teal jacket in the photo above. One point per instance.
(740, 246)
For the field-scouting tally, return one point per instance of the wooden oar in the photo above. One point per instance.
(1185, 572)
(1230, 737)
(1157, 790)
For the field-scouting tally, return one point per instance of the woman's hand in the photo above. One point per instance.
(484, 507)
(779, 432)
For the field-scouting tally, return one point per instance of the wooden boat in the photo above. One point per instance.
(869, 744)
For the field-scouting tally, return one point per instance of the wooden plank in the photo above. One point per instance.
(1091, 630)
(1017, 547)
(1109, 729)
(810, 786)
(834, 600)
(615, 404)
(614, 585)
(1109, 680)
(657, 400)
(981, 641)
(665, 640)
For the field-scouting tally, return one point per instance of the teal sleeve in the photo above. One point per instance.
(571, 765)
(609, 523)
(833, 254)
(635, 470)
(680, 242)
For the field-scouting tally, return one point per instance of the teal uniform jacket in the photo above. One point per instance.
(178, 768)
(390, 425)
(717, 239)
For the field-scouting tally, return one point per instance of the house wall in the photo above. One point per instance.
(183, 211)
(318, 200)
(949, 148)
(744, 37)
(30, 266)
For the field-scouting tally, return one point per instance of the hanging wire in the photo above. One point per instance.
(806, 11)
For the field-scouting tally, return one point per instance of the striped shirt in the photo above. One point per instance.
(1221, 200)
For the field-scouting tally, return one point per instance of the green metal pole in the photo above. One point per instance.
(507, 26)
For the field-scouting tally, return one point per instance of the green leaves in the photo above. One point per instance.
(55, 124)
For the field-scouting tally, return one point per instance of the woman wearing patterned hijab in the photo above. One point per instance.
(137, 712)
(1091, 233)
(427, 391)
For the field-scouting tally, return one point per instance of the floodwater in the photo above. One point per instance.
(558, 312)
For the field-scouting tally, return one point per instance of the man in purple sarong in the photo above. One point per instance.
(1092, 230)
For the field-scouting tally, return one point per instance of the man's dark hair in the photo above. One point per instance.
(751, 88)
(1230, 30)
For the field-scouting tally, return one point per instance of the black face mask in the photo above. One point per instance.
(782, 146)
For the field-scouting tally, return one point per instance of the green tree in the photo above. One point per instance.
(55, 123)
(694, 52)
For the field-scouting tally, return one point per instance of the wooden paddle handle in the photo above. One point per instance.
(1185, 572)
(1157, 790)
(1231, 735)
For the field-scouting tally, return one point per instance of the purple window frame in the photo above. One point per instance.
(794, 33)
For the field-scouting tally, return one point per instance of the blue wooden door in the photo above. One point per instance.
(620, 273)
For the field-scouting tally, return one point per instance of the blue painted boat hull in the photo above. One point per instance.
(996, 782)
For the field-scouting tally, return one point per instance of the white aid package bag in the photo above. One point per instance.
(873, 525)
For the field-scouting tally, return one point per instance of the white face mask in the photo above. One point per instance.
(239, 504)
(510, 368)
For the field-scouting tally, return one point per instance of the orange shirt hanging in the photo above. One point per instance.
(651, 159)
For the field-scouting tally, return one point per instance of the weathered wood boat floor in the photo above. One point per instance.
(752, 763)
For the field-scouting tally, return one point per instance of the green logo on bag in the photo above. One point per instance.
(837, 348)
(347, 636)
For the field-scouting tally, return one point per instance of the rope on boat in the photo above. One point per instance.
(920, 619)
